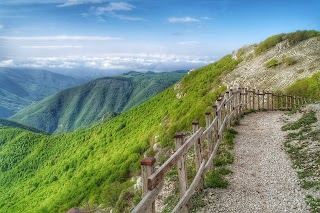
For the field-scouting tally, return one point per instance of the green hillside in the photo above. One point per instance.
(4, 123)
(41, 173)
(81, 106)
(93, 167)
(21, 87)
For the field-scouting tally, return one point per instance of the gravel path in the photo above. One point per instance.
(262, 179)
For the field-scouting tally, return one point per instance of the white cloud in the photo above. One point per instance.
(111, 63)
(115, 6)
(52, 47)
(188, 43)
(77, 2)
(57, 38)
(7, 63)
(113, 9)
(1, 26)
(183, 20)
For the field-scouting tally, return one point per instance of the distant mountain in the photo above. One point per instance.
(12, 124)
(100, 99)
(21, 87)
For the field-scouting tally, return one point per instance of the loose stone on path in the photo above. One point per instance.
(263, 179)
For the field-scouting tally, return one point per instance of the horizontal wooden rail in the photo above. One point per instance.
(226, 109)
(157, 177)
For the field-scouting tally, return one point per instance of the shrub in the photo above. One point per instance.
(293, 38)
(301, 35)
(272, 63)
(288, 60)
(268, 43)
(306, 87)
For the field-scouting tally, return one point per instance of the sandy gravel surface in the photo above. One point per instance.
(263, 179)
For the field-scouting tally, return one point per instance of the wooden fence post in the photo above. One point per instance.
(290, 102)
(268, 105)
(197, 150)
(253, 99)
(258, 100)
(241, 102)
(227, 106)
(210, 143)
(219, 112)
(272, 97)
(147, 168)
(215, 126)
(262, 94)
(246, 98)
(182, 168)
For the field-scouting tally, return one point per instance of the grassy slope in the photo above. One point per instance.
(41, 173)
(21, 87)
(82, 105)
(306, 87)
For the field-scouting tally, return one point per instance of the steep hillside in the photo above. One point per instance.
(92, 168)
(279, 61)
(97, 100)
(4, 123)
(21, 87)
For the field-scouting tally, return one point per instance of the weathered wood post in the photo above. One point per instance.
(253, 99)
(272, 97)
(231, 104)
(210, 143)
(147, 168)
(290, 102)
(287, 103)
(246, 98)
(258, 100)
(219, 112)
(215, 126)
(263, 97)
(227, 107)
(298, 101)
(241, 104)
(182, 168)
(197, 150)
(294, 102)
(268, 101)
(279, 101)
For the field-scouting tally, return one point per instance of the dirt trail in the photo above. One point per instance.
(263, 179)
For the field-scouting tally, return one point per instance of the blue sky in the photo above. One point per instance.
(158, 35)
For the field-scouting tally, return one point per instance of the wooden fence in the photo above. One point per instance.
(226, 109)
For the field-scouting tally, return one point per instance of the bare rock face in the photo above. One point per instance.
(252, 71)
(282, 45)
(76, 210)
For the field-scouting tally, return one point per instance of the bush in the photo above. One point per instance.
(268, 43)
(272, 63)
(293, 38)
(288, 60)
(306, 87)
(301, 35)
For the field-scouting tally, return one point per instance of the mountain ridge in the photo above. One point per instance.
(21, 87)
(83, 105)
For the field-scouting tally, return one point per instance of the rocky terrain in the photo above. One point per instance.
(252, 72)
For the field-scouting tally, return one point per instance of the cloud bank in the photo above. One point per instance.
(110, 63)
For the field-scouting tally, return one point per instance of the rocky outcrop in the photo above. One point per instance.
(251, 72)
